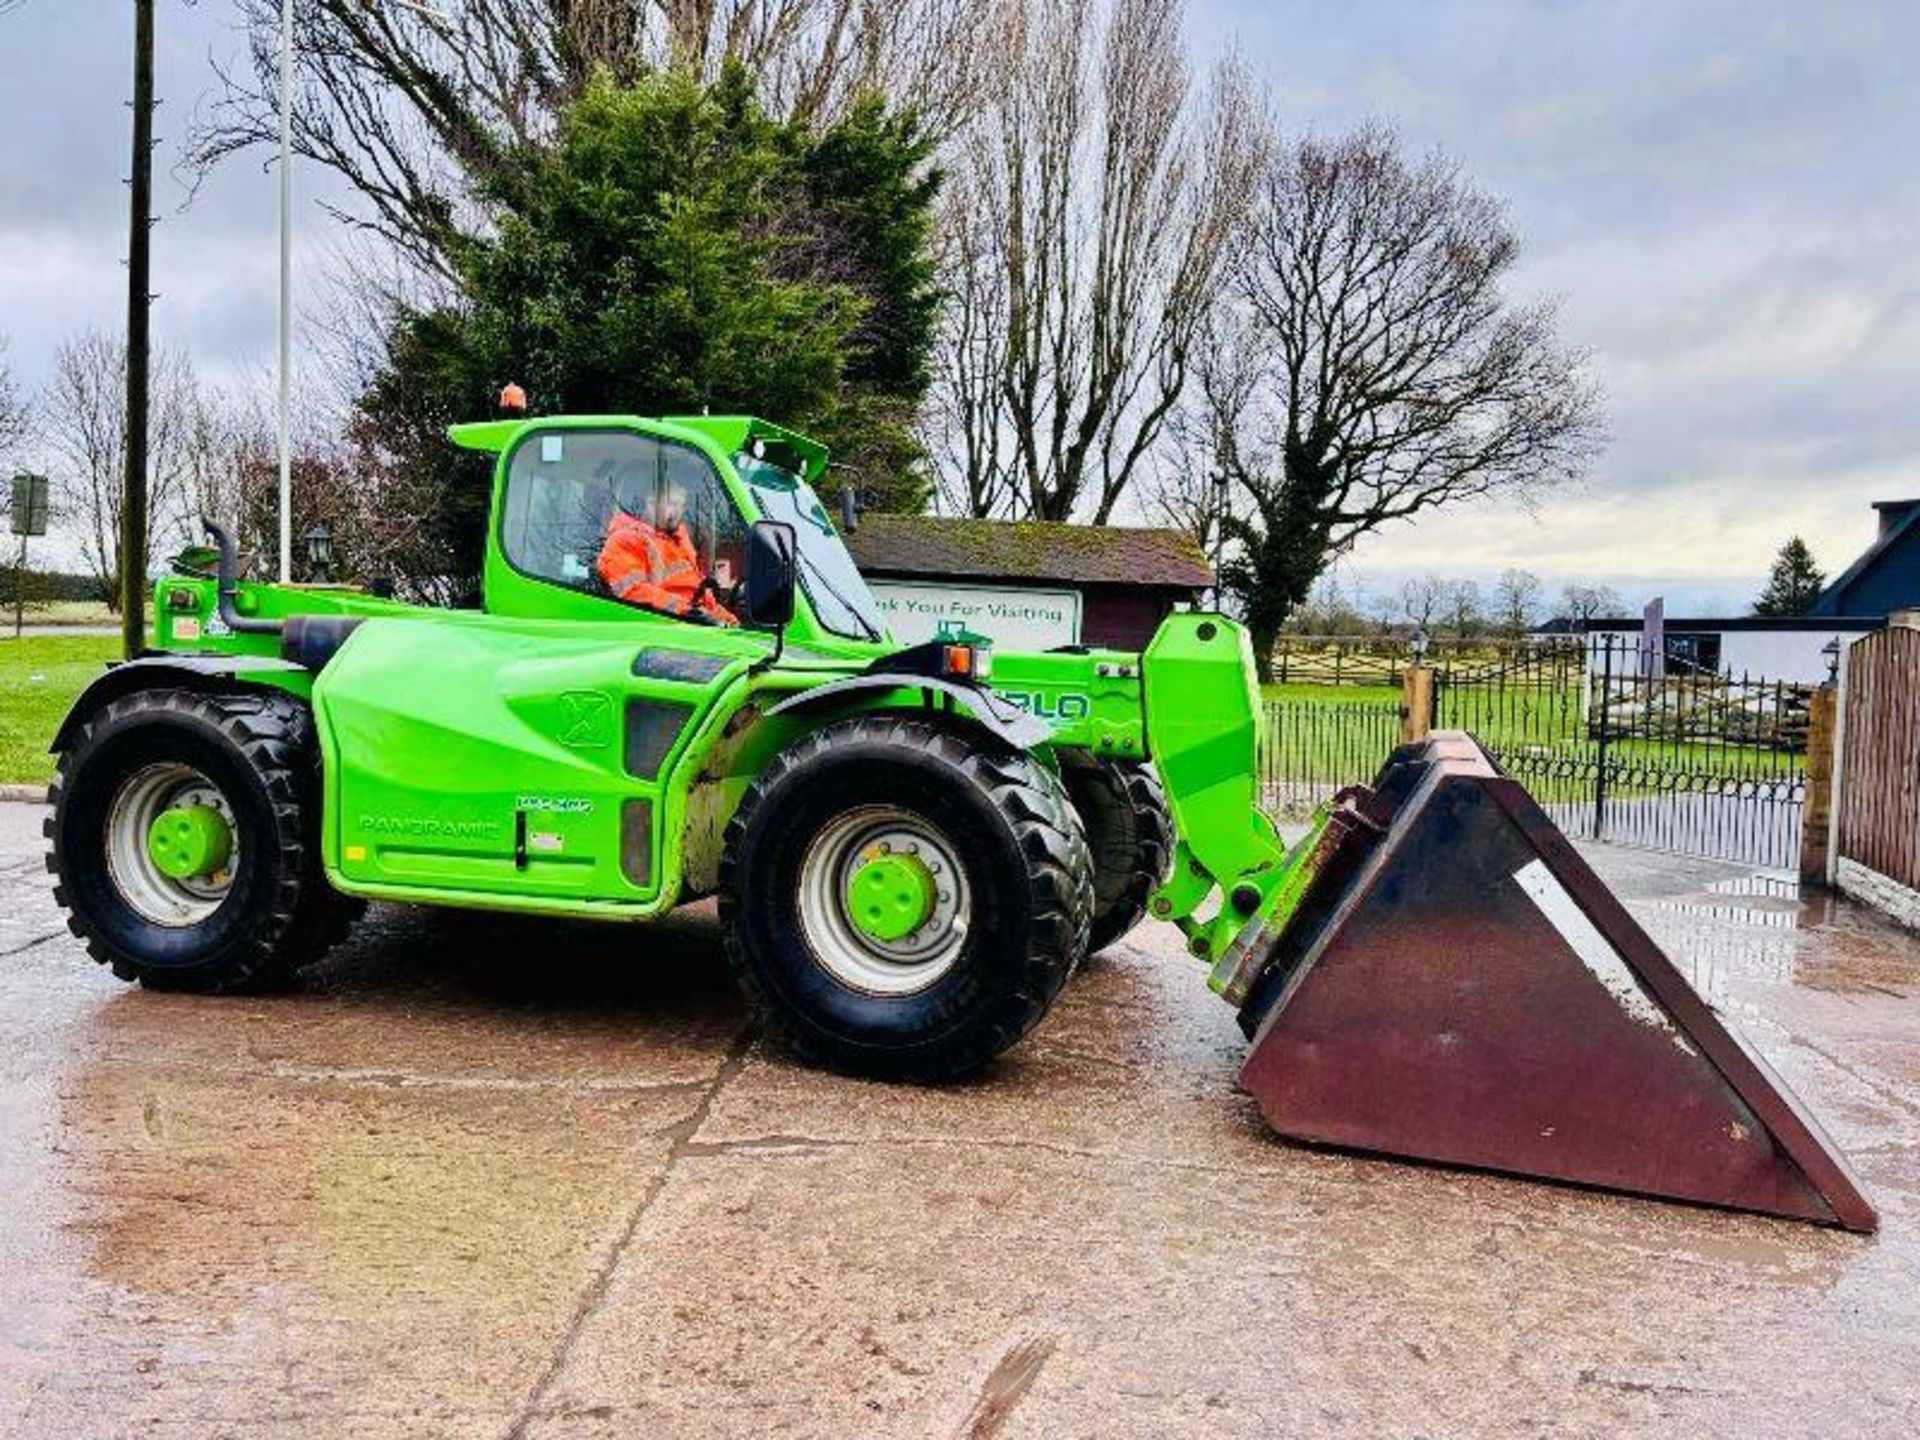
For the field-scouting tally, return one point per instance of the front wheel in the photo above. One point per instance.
(184, 840)
(902, 899)
(1124, 810)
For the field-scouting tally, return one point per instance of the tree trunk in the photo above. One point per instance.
(1264, 638)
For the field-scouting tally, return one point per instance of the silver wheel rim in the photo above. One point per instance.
(851, 956)
(152, 893)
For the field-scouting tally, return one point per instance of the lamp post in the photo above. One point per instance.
(1831, 653)
(320, 552)
(284, 374)
(1420, 644)
(1219, 534)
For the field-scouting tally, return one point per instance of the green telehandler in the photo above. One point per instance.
(913, 847)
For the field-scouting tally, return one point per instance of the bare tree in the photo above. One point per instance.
(1182, 488)
(1332, 608)
(1375, 366)
(1421, 600)
(1516, 602)
(13, 430)
(14, 412)
(382, 522)
(1091, 210)
(85, 414)
(416, 109)
(1581, 603)
(1463, 613)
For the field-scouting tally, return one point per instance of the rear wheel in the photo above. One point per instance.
(185, 845)
(1124, 810)
(902, 899)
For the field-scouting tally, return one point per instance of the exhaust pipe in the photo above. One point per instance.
(227, 588)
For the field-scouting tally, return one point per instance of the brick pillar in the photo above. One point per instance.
(1816, 818)
(1416, 703)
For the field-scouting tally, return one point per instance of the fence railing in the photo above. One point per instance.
(1379, 660)
(1703, 764)
(1615, 749)
(1311, 749)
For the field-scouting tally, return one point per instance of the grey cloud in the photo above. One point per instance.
(1722, 196)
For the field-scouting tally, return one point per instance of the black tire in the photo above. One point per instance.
(1124, 810)
(278, 913)
(1026, 865)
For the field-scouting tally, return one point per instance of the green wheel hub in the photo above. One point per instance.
(891, 896)
(189, 841)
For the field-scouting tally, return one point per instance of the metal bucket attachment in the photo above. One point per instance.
(1456, 985)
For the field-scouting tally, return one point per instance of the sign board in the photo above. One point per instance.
(29, 509)
(1015, 619)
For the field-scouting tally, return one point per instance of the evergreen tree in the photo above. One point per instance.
(673, 251)
(1793, 584)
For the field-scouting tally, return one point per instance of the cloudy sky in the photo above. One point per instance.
(1722, 194)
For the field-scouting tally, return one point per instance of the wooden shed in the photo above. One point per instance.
(1125, 579)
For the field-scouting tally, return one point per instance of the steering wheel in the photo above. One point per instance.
(710, 586)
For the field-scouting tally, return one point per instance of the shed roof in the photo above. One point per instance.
(1029, 550)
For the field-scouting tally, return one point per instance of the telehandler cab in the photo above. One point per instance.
(913, 847)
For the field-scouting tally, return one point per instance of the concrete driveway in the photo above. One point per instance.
(495, 1178)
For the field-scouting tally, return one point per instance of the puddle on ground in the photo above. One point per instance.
(1765, 927)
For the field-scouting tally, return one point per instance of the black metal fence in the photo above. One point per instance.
(1614, 749)
(1311, 749)
(1617, 749)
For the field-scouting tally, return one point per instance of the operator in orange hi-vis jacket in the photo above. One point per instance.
(649, 557)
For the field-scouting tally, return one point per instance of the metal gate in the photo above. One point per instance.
(1617, 749)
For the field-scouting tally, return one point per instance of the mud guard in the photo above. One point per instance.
(1009, 722)
(208, 671)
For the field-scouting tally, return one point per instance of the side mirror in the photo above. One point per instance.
(766, 599)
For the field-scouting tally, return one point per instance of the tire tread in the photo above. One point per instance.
(1047, 830)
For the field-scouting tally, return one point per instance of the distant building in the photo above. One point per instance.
(1778, 648)
(1029, 584)
(1887, 577)
(1884, 579)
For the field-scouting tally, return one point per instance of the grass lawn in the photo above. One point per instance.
(1333, 694)
(39, 676)
(66, 612)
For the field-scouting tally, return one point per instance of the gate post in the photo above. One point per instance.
(1816, 815)
(1416, 702)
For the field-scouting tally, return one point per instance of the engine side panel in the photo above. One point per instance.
(507, 766)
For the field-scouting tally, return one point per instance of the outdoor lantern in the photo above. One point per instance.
(1421, 640)
(1832, 652)
(320, 551)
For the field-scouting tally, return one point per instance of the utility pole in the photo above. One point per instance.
(133, 500)
(285, 372)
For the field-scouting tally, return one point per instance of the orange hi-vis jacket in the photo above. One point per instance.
(656, 568)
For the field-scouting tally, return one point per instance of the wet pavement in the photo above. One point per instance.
(490, 1177)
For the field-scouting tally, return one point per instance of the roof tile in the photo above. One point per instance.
(1028, 550)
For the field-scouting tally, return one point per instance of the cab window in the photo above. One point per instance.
(624, 516)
